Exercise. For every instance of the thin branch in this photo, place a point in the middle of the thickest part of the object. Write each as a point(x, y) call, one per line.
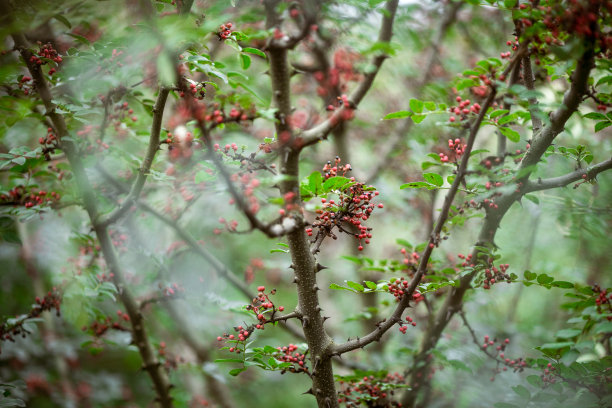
point(396, 316)
point(143, 171)
point(534, 110)
point(320, 132)
point(581, 174)
point(558, 118)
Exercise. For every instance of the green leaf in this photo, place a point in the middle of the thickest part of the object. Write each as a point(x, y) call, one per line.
point(596, 116)
point(535, 380)
point(601, 125)
point(530, 275)
point(337, 287)
point(255, 51)
point(511, 134)
point(315, 183)
point(603, 327)
point(434, 179)
point(563, 284)
point(522, 391)
point(356, 286)
point(567, 333)
point(429, 105)
point(417, 184)
point(498, 112)
point(245, 61)
point(415, 105)
point(556, 346)
point(371, 285)
point(544, 279)
point(398, 115)
point(418, 118)
point(509, 3)
point(62, 20)
point(237, 371)
point(337, 183)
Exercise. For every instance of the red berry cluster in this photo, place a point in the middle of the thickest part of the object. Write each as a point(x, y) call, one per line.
point(249, 272)
point(264, 310)
point(20, 196)
point(8, 331)
point(225, 30)
point(354, 206)
point(463, 109)
point(516, 365)
point(494, 275)
point(170, 361)
point(198, 90)
point(457, 149)
point(397, 287)
point(339, 74)
point(514, 45)
point(370, 390)
point(290, 354)
point(173, 289)
point(411, 259)
point(25, 85)
point(403, 328)
point(121, 112)
point(603, 299)
point(99, 328)
point(46, 51)
point(548, 375)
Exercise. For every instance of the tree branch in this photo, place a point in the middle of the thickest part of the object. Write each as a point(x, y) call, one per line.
point(320, 132)
point(581, 174)
point(143, 171)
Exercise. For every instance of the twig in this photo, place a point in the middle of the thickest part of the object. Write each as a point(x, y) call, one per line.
point(320, 132)
point(143, 171)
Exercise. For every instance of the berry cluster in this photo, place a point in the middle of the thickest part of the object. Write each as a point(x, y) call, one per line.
point(457, 149)
point(264, 310)
point(99, 328)
point(353, 207)
point(516, 365)
point(48, 52)
point(290, 354)
point(548, 374)
point(20, 196)
point(198, 90)
point(411, 259)
point(339, 74)
point(403, 328)
point(8, 330)
point(370, 390)
point(225, 30)
point(249, 272)
point(463, 109)
point(514, 45)
point(603, 299)
point(493, 275)
point(25, 84)
point(397, 287)
point(169, 360)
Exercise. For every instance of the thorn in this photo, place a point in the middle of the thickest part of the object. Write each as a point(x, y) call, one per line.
point(292, 266)
point(308, 391)
point(315, 288)
point(320, 267)
point(325, 318)
point(319, 308)
point(295, 280)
